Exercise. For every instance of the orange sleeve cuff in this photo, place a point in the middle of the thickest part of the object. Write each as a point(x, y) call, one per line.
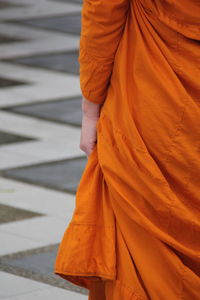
point(102, 26)
point(94, 77)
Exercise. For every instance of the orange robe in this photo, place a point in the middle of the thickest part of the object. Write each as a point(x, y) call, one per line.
point(135, 230)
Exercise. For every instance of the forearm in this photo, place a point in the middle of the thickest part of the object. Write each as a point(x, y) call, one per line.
point(90, 108)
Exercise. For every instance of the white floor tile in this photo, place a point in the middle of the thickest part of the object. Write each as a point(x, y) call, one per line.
point(36, 199)
point(11, 243)
point(10, 159)
point(10, 98)
point(42, 84)
point(35, 41)
point(46, 150)
point(48, 230)
point(25, 154)
point(33, 127)
point(26, 32)
point(16, 286)
point(51, 294)
point(54, 141)
point(39, 47)
point(54, 87)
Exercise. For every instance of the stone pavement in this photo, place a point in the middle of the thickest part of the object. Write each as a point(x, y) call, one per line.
point(40, 159)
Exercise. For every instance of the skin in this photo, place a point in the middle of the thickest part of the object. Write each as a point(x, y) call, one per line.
point(90, 116)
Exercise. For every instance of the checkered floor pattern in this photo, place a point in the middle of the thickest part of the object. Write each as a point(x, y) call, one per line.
point(40, 159)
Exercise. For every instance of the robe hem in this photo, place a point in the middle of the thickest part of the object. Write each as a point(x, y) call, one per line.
point(84, 274)
point(77, 261)
point(76, 278)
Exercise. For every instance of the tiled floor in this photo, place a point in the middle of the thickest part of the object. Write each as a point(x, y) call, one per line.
point(9, 83)
point(11, 214)
point(6, 39)
point(66, 111)
point(19, 288)
point(62, 175)
point(7, 138)
point(66, 62)
point(40, 159)
point(67, 23)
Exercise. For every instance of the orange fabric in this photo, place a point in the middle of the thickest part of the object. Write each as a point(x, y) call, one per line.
point(135, 230)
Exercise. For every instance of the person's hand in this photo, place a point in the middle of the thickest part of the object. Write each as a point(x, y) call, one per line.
point(90, 116)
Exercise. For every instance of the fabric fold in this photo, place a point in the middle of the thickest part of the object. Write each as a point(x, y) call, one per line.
point(87, 251)
point(135, 230)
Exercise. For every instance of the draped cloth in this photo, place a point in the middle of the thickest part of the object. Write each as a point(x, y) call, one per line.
point(135, 230)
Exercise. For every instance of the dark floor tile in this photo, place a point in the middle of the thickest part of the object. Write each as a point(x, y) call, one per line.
point(4, 82)
point(66, 62)
point(11, 214)
point(60, 175)
point(5, 4)
point(7, 138)
point(37, 264)
point(65, 111)
point(68, 23)
point(7, 39)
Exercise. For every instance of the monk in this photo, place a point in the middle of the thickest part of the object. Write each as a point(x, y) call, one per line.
point(135, 230)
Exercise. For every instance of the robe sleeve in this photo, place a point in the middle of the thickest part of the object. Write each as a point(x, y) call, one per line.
point(102, 24)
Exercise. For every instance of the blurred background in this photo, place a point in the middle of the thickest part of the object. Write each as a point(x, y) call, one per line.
point(40, 159)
